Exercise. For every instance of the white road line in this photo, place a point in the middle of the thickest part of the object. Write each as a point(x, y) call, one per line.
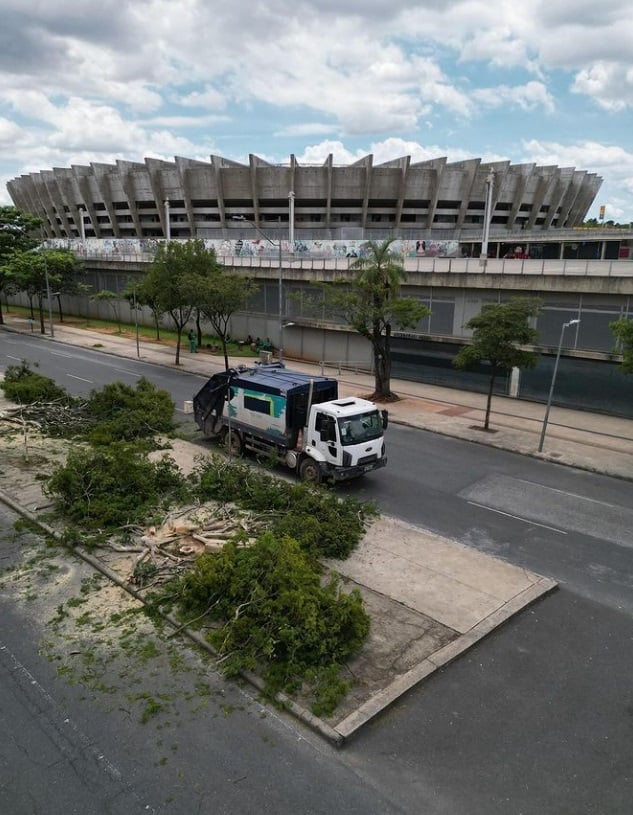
point(61, 354)
point(81, 379)
point(518, 518)
point(123, 371)
point(19, 359)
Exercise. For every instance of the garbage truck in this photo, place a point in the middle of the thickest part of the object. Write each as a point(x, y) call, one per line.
point(295, 417)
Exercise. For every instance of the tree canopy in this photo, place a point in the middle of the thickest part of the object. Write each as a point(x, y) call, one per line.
point(38, 273)
point(177, 279)
point(371, 303)
point(16, 235)
point(222, 295)
point(623, 333)
point(499, 331)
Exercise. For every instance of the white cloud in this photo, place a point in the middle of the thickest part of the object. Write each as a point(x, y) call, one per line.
point(155, 77)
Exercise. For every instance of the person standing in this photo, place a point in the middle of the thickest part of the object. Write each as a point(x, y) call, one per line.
point(192, 342)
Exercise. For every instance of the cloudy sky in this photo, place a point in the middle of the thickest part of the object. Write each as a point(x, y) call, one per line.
point(546, 81)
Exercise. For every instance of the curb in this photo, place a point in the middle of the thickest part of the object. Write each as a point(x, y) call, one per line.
point(374, 706)
point(441, 658)
point(301, 713)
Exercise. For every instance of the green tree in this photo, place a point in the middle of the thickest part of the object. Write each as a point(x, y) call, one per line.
point(137, 296)
point(499, 331)
point(221, 296)
point(371, 303)
point(16, 235)
point(39, 272)
point(623, 332)
point(112, 299)
point(176, 280)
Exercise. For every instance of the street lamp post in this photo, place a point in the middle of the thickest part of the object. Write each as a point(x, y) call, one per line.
point(553, 382)
point(138, 350)
point(167, 221)
point(483, 258)
point(82, 224)
point(291, 220)
point(280, 282)
point(48, 296)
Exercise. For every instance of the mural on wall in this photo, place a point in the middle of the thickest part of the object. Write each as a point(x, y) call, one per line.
point(258, 247)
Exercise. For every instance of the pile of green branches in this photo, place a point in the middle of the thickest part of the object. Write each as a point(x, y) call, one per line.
point(323, 525)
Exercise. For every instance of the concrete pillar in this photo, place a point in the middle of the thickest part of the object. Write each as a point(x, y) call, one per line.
point(515, 377)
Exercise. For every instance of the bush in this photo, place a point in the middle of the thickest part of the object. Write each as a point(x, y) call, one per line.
point(109, 487)
point(275, 612)
point(122, 413)
point(23, 385)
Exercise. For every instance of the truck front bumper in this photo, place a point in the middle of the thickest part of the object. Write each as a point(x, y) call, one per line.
point(346, 473)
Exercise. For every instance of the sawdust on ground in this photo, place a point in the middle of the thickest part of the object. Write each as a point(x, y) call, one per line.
point(399, 637)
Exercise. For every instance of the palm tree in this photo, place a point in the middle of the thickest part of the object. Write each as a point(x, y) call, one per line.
point(372, 305)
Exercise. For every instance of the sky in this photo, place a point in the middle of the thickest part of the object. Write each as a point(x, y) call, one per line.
point(544, 81)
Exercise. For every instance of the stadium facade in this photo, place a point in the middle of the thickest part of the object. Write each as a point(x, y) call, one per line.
point(186, 198)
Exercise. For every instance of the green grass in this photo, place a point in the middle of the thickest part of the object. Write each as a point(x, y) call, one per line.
point(146, 333)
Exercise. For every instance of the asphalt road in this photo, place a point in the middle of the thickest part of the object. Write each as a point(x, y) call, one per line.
point(537, 718)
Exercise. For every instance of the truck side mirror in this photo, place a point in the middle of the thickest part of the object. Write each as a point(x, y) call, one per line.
point(385, 419)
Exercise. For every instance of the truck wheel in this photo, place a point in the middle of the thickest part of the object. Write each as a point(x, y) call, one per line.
point(234, 444)
point(310, 471)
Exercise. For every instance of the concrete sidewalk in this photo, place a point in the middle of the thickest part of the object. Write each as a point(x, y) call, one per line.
point(431, 598)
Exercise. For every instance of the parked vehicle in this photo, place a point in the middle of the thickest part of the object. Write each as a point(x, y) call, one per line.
point(296, 417)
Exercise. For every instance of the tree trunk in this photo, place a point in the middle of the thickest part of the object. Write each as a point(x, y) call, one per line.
point(1, 314)
point(178, 346)
point(382, 366)
point(491, 386)
point(41, 311)
point(199, 330)
point(59, 308)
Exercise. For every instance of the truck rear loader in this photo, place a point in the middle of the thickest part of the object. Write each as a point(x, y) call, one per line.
point(295, 417)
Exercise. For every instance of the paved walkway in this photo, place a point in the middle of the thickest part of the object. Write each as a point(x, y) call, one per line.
point(441, 584)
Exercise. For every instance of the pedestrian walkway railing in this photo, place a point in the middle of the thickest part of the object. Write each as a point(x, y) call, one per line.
point(349, 366)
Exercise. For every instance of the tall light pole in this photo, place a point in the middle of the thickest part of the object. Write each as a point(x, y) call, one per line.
point(46, 283)
point(138, 350)
point(551, 387)
point(82, 224)
point(483, 258)
point(167, 221)
point(280, 282)
point(48, 296)
point(291, 220)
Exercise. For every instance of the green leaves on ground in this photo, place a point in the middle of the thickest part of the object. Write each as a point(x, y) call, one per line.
point(109, 487)
point(275, 613)
point(123, 413)
point(116, 412)
point(22, 384)
point(323, 525)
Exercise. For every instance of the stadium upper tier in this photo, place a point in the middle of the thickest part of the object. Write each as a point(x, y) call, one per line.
point(197, 199)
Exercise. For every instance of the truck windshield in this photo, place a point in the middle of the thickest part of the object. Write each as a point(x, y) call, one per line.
point(360, 428)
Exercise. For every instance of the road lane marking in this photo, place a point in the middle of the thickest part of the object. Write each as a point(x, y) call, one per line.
point(81, 379)
point(518, 518)
point(19, 359)
point(123, 371)
point(61, 354)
